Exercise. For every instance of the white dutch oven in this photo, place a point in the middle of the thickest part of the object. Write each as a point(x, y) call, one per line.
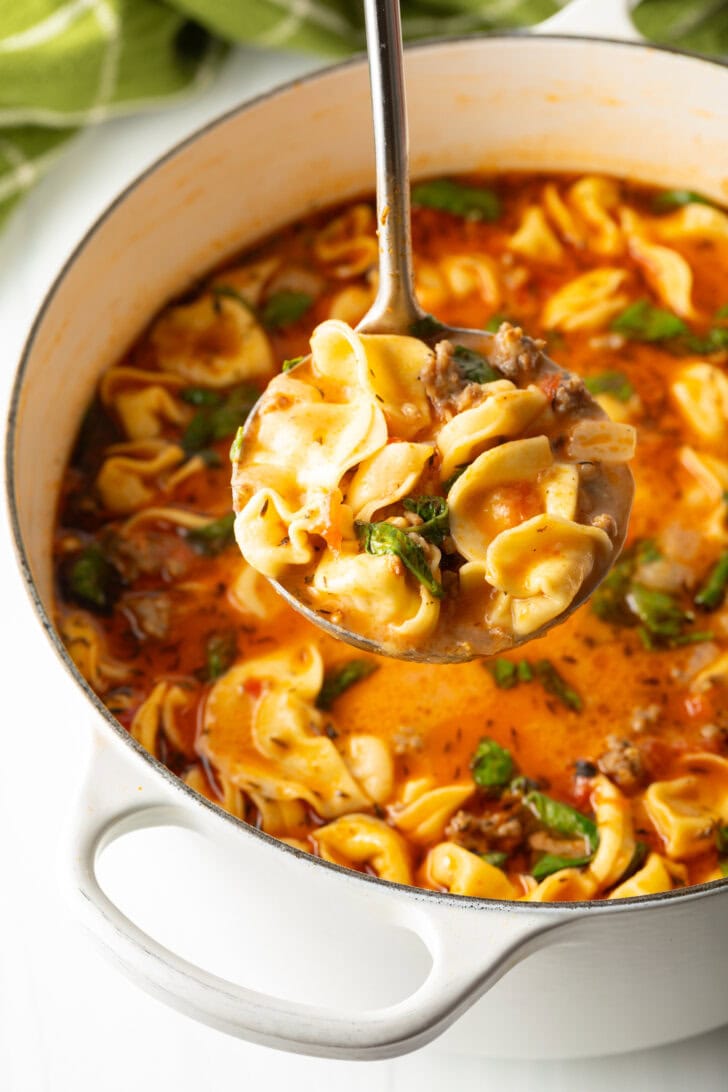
point(526, 980)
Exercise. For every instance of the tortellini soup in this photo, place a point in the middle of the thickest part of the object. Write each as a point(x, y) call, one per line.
point(426, 498)
point(591, 764)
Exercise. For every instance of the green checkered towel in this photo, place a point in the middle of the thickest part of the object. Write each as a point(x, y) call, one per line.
point(65, 64)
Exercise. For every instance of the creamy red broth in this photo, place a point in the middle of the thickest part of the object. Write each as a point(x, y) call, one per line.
point(167, 605)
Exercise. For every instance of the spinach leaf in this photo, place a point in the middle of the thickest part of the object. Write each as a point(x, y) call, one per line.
point(504, 672)
point(446, 195)
point(474, 367)
point(668, 200)
point(561, 818)
point(220, 652)
point(712, 593)
point(491, 765)
point(426, 328)
point(427, 507)
point(525, 671)
point(554, 683)
point(213, 537)
point(284, 308)
point(638, 858)
point(198, 433)
point(495, 858)
point(660, 614)
point(551, 862)
point(209, 457)
point(693, 638)
point(236, 407)
point(338, 679)
point(641, 321)
point(98, 431)
point(434, 513)
point(609, 601)
point(495, 322)
point(227, 291)
point(509, 673)
point(714, 341)
point(646, 551)
point(200, 396)
point(384, 538)
point(521, 785)
point(217, 420)
point(450, 482)
point(90, 579)
point(614, 383)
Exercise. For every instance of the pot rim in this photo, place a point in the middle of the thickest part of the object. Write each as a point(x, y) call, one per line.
point(193, 798)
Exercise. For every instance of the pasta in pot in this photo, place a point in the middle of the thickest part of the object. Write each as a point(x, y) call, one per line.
point(593, 766)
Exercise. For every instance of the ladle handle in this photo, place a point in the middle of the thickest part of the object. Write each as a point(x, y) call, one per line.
point(395, 308)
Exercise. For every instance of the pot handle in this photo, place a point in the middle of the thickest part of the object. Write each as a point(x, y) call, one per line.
point(593, 19)
point(471, 946)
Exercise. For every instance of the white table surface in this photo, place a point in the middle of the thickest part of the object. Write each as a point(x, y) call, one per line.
point(68, 1019)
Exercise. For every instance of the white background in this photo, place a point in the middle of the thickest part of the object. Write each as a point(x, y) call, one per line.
point(68, 1020)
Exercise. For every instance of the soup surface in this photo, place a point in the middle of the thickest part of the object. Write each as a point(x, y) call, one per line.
point(592, 763)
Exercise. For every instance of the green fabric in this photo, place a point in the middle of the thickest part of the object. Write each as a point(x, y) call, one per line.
point(65, 64)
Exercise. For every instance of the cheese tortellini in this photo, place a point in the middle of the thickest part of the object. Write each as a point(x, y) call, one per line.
point(344, 496)
point(264, 735)
point(215, 341)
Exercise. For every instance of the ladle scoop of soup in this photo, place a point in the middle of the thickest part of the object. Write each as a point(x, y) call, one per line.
point(434, 500)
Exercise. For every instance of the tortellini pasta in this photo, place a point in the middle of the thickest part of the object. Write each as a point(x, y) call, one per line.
point(348, 245)
point(214, 341)
point(133, 472)
point(655, 876)
point(450, 867)
point(530, 591)
point(588, 302)
point(687, 810)
point(87, 648)
point(387, 476)
point(585, 217)
point(327, 487)
point(144, 401)
point(535, 239)
point(424, 815)
point(596, 199)
point(530, 594)
point(263, 733)
point(701, 393)
point(458, 277)
point(252, 595)
point(508, 412)
point(158, 713)
point(363, 839)
point(708, 489)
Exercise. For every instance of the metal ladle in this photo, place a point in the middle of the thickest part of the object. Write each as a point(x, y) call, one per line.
point(395, 310)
